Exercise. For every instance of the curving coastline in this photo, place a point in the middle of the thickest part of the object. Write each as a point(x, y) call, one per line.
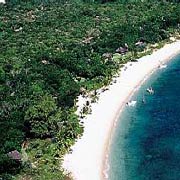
point(88, 158)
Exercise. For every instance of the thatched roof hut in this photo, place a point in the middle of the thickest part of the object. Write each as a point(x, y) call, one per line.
point(15, 155)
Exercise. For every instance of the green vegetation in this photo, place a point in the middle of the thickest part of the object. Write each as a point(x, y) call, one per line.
point(48, 52)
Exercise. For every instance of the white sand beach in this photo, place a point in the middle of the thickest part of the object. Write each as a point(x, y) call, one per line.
point(86, 162)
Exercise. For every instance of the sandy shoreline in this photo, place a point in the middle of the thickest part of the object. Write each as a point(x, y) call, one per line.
point(87, 160)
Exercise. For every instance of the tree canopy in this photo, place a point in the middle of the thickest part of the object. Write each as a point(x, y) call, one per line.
point(48, 53)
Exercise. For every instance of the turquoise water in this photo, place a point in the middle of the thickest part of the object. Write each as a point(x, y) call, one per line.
point(146, 142)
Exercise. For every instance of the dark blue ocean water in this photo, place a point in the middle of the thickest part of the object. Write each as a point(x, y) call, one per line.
point(146, 142)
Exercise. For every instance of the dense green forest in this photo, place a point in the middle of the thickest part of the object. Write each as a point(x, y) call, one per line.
point(49, 52)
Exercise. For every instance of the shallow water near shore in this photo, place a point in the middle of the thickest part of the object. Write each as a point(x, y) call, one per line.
point(146, 141)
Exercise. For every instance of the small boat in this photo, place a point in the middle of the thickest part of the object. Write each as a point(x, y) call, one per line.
point(150, 90)
point(162, 66)
point(2, 1)
point(131, 103)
